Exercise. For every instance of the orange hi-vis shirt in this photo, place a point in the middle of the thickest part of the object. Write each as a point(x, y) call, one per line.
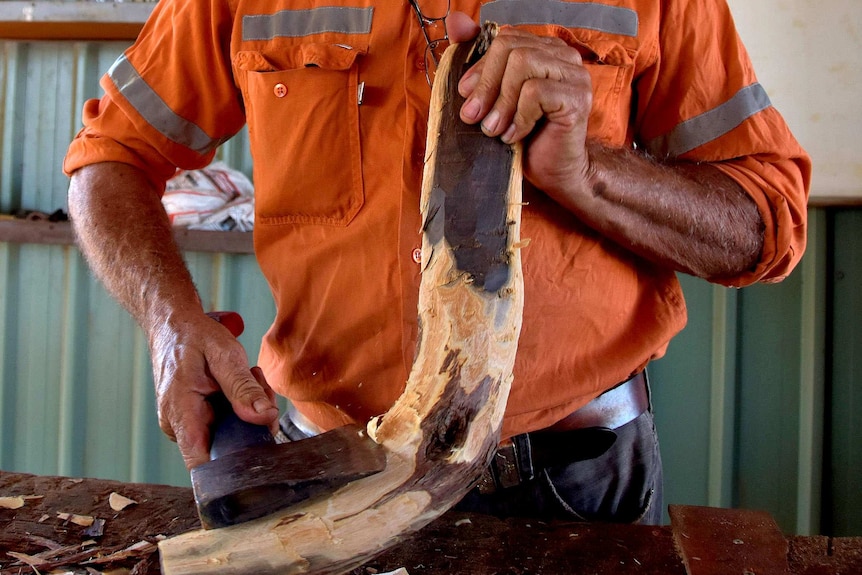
point(336, 100)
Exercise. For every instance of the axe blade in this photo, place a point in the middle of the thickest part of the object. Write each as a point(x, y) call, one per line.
point(254, 482)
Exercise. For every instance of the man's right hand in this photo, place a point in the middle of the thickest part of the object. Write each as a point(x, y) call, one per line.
point(124, 232)
point(194, 357)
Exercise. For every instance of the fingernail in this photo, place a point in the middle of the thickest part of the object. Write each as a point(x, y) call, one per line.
point(468, 84)
point(261, 405)
point(489, 124)
point(508, 134)
point(471, 109)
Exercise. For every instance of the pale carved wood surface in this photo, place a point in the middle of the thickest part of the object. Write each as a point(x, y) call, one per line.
point(441, 432)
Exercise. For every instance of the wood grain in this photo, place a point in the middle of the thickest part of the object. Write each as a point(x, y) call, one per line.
point(440, 434)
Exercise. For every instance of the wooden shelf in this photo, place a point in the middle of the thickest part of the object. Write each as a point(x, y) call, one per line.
point(51, 20)
point(60, 233)
point(834, 202)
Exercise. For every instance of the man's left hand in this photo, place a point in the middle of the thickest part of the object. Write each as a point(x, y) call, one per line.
point(531, 88)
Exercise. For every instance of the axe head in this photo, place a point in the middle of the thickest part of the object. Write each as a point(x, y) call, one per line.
point(250, 483)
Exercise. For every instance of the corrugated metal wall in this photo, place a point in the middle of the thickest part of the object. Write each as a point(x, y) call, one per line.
point(76, 390)
point(843, 454)
point(740, 395)
point(755, 400)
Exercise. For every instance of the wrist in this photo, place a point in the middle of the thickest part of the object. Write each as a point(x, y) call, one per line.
point(171, 315)
point(583, 183)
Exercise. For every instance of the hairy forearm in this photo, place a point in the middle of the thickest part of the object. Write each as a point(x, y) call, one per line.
point(691, 217)
point(126, 237)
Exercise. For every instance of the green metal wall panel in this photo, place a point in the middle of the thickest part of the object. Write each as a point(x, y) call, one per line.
point(77, 389)
point(781, 390)
point(769, 401)
point(694, 398)
point(42, 92)
point(844, 465)
point(76, 395)
point(746, 402)
point(739, 396)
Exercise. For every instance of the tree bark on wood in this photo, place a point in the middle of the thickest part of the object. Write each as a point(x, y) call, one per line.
point(441, 432)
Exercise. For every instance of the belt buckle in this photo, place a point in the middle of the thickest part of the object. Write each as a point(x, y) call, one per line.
point(505, 464)
point(511, 465)
point(502, 471)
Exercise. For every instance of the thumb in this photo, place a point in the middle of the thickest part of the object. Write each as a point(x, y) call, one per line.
point(252, 398)
point(460, 27)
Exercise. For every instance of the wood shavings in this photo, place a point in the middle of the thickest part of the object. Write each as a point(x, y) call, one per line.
point(82, 520)
point(139, 549)
point(120, 571)
point(31, 560)
point(45, 542)
point(55, 550)
point(86, 555)
point(119, 502)
point(16, 502)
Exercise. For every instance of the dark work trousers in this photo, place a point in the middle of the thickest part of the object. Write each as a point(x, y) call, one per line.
point(623, 485)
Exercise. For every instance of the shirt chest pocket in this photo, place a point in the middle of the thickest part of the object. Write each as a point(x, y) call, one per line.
point(611, 69)
point(606, 38)
point(303, 119)
point(610, 113)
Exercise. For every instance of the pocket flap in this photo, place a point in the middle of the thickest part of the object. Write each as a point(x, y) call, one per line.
point(594, 47)
point(327, 56)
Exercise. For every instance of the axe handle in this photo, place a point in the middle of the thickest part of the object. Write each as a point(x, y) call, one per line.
point(230, 433)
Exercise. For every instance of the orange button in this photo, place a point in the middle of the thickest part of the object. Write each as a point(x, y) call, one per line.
point(417, 255)
point(280, 90)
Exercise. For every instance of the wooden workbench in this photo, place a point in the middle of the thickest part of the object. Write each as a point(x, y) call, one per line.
point(457, 543)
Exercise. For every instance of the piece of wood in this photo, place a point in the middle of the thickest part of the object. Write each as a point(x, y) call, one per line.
point(60, 233)
point(454, 543)
point(440, 434)
point(821, 555)
point(81, 20)
point(89, 31)
point(715, 541)
point(461, 544)
point(824, 201)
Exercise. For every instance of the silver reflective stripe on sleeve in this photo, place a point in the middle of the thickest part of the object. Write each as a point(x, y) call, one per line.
point(710, 125)
point(297, 23)
point(156, 112)
point(589, 15)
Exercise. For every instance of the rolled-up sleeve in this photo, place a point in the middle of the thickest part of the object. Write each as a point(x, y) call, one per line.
point(701, 102)
point(170, 100)
point(776, 185)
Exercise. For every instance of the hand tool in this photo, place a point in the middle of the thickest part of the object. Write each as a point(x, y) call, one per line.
point(250, 475)
point(440, 434)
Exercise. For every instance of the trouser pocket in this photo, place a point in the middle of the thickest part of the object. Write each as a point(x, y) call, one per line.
point(623, 485)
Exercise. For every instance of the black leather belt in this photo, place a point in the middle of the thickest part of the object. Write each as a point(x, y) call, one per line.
point(584, 434)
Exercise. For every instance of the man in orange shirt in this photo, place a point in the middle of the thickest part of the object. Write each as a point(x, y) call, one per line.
point(650, 150)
